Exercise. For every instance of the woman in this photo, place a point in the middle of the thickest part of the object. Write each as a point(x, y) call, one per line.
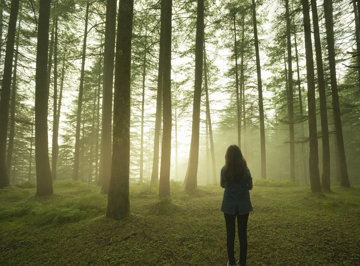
point(237, 181)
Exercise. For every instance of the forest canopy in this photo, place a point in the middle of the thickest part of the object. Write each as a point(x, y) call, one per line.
point(159, 92)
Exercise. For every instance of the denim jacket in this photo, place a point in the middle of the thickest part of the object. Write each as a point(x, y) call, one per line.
point(236, 198)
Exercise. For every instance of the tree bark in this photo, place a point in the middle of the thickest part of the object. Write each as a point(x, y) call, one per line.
point(81, 89)
point(356, 5)
point(313, 156)
point(43, 173)
point(191, 175)
point(13, 102)
point(143, 110)
point(261, 105)
point(118, 197)
point(328, 12)
point(290, 95)
point(5, 92)
point(157, 133)
point(105, 157)
point(55, 144)
point(238, 104)
point(323, 107)
point(164, 185)
point(208, 118)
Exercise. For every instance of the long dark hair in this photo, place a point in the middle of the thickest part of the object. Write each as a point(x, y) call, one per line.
point(235, 164)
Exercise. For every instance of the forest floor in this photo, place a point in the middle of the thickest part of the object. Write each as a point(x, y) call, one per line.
point(289, 226)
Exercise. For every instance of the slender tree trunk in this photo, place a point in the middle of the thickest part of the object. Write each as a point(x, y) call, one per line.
point(142, 113)
point(81, 88)
point(323, 107)
point(191, 175)
point(118, 197)
point(158, 119)
point(290, 94)
point(43, 173)
point(328, 9)
point(356, 5)
point(31, 150)
point(5, 92)
point(2, 5)
point(108, 76)
point(208, 119)
point(98, 120)
point(238, 104)
point(166, 12)
point(261, 105)
point(13, 102)
point(313, 157)
point(55, 144)
point(242, 81)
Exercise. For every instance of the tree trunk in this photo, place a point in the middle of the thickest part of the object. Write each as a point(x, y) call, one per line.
point(313, 156)
point(142, 112)
point(98, 119)
point(13, 102)
point(105, 157)
point(118, 197)
point(158, 119)
point(238, 104)
point(164, 185)
point(31, 150)
point(290, 94)
point(357, 32)
point(43, 173)
point(323, 107)
point(261, 105)
point(191, 175)
point(328, 9)
point(208, 119)
point(81, 88)
point(55, 144)
point(2, 5)
point(242, 82)
point(5, 92)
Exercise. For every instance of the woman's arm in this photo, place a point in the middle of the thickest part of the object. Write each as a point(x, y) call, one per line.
point(222, 179)
point(249, 182)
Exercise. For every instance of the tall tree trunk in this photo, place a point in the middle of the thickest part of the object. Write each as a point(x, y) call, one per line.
point(118, 197)
point(105, 157)
point(55, 136)
point(323, 107)
point(13, 101)
point(356, 5)
point(238, 104)
point(31, 150)
point(5, 92)
point(208, 119)
point(290, 94)
point(98, 119)
point(164, 185)
point(2, 5)
point(261, 105)
point(242, 81)
point(313, 156)
point(191, 175)
point(43, 173)
point(328, 12)
point(142, 112)
point(81, 88)
point(158, 119)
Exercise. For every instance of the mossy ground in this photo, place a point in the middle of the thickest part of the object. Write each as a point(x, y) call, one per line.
point(289, 226)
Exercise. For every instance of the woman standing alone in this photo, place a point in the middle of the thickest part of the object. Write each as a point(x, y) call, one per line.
point(236, 204)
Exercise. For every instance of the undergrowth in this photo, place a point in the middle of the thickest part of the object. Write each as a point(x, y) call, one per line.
point(289, 226)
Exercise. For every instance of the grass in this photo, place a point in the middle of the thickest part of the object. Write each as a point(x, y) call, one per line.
point(289, 226)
